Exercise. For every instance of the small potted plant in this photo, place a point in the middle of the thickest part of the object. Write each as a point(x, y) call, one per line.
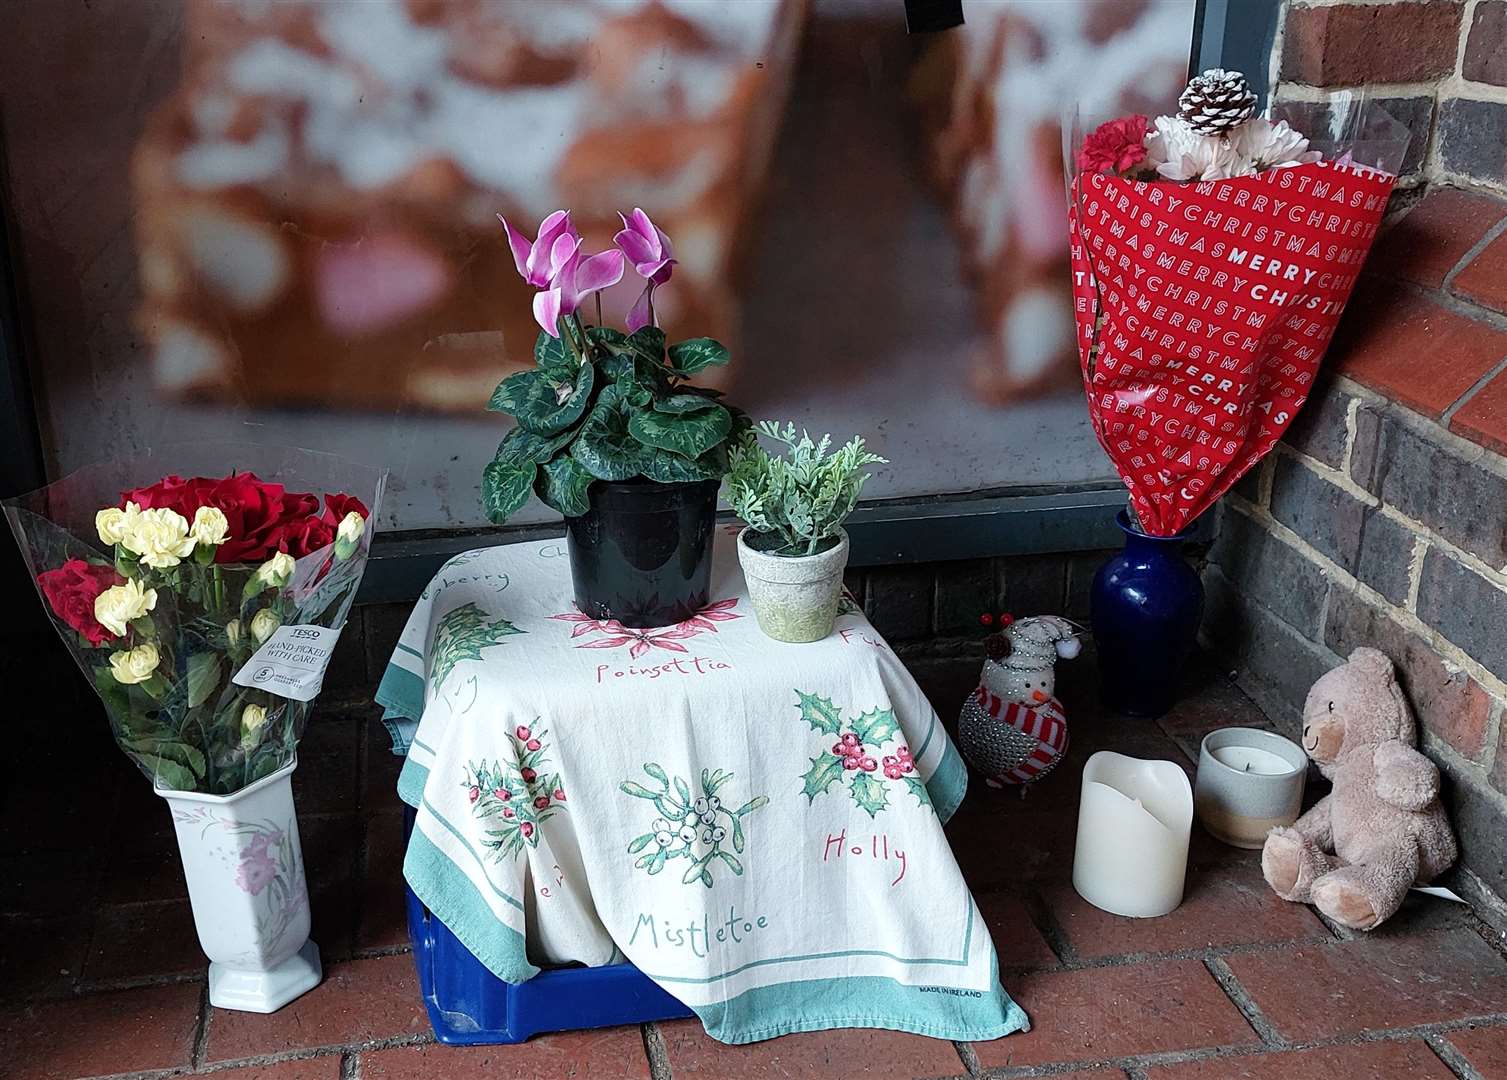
point(794, 549)
point(610, 433)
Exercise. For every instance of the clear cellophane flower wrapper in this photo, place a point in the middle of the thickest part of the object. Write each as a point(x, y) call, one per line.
point(189, 727)
point(1203, 308)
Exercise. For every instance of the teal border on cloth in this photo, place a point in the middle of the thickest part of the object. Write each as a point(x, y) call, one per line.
point(865, 1001)
point(948, 784)
point(411, 783)
point(453, 898)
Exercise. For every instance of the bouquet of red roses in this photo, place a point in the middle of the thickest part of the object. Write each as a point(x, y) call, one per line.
point(202, 609)
point(1212, 253)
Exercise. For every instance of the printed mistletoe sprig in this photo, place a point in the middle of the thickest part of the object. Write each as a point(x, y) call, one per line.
point(852, 755)
point(515, 796)
point(689, 828)
point(462, 634)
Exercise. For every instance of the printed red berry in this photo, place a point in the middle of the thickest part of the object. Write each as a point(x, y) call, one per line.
point(868, 764)
point(523, 732)
point(850, 763)
point(507, 811)
point(542, 802)
point(475, 793)
point(890, 760)
point(850, 739)
point(532, 744)
point(559, 795)
point(893, 772)
point(529, 775)
point(502, 793)
point(527, 828)
point(907, 766)
point(839, 748)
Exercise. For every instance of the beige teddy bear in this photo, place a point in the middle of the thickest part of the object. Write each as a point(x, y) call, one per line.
point(1381, 830)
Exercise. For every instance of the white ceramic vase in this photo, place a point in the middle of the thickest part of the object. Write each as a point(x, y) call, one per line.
point(250, 898)
point(795, 597)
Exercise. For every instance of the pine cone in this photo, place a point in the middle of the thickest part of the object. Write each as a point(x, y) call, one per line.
point(1217, 102)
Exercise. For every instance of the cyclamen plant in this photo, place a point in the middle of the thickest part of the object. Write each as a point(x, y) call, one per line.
point(601, 404)
point(798, 501)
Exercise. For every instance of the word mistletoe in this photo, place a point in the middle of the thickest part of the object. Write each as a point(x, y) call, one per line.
point(463, 633)
point(689, 828)
point(852, 756)
point(515, 797)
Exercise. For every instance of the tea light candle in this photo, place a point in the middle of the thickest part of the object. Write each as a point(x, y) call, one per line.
point(1249, 782)
point(1134, 819)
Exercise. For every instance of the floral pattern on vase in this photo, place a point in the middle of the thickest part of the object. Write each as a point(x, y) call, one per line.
point(267, 866)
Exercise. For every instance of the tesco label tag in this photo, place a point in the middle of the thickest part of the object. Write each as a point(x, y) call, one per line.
point(291, 662)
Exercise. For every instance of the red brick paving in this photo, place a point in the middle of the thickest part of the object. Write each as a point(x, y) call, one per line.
point(872, 1054)
point(1484, 1047)
point(1484, 279)
point(359, 1001)
point(611, 1054)
point(1115, 1012)
point(1228, 905)
point(1366, 985)
point(1430, 965)
point(124, 1031)
point(1367, 1061)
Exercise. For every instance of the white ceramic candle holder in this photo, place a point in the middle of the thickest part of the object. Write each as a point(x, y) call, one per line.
point(1134, 819)
point(1249, 782)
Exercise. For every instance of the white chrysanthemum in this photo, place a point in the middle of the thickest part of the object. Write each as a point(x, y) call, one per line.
point(1272, 145)
point(1177, 152)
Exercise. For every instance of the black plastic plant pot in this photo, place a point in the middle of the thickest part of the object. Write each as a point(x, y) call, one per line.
point(643, 553)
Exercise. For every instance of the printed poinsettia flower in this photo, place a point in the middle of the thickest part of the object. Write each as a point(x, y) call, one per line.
point(641, 641)
point(708, 617)
point(585, 624)
point(652, 255)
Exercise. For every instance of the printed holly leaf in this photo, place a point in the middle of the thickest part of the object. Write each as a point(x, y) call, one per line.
point(462, 634)
point(868, 793)
point(825, 771)
point(876, 727)
point(820, 713)
point(918, 789)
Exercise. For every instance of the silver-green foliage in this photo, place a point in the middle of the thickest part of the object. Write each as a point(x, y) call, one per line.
point(800, 498)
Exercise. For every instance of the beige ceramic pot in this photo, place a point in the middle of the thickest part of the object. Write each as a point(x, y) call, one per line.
point(795, 597)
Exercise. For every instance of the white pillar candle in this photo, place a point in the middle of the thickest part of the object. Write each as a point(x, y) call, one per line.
point(1249, 782)
point(1134, 819)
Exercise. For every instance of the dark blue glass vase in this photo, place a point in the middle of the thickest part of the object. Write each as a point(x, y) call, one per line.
point(1146, 604)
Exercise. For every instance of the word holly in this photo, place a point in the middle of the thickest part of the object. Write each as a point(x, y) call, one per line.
point(878, 850)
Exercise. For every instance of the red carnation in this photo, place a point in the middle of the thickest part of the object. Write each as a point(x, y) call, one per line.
point(1115, 147)
point(71, 590)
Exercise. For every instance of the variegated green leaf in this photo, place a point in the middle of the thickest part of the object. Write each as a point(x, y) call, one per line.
point(918, 789)
point(825, 771)
point(876, 727)
point(687, 434)
point(820, 713)
point(683, 403)
point(562, 485)
point(689, 357)
point(868, 793)
point(604, 447)
point(505, 488)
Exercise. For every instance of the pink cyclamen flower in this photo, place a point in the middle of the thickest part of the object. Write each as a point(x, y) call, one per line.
point(553, 264)
point(652, 255)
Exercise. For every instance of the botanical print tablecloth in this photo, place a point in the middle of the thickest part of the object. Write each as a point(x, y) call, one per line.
point(756, 825)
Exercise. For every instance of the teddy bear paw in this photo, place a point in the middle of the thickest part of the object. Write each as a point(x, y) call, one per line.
point(1343, 902)
point(1282, 862)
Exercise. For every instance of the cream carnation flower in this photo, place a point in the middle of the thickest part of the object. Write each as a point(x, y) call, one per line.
point(276, 571)
point(119, 604)
point(1272, 145)
point(159, 538)
point(263, 624)
point(134, 666)
point(210, 526)
point(113, 523)
point(351, 527)
point(253, 719)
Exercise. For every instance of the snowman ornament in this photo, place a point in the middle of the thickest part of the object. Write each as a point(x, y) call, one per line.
point(1012, 728)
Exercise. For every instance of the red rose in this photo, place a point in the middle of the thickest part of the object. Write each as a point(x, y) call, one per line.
point(256, 512)
point(71, 589)
point(337, 506)
point(1115, 147)
point(305, 536)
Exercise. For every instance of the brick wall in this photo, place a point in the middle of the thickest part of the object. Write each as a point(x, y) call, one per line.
point(1439, 65)
point(1381, 519)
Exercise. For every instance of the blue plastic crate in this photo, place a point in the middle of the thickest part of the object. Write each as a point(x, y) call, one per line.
point(469, 1005)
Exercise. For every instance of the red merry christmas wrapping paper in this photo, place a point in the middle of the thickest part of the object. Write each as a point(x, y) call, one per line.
point(1203, 310)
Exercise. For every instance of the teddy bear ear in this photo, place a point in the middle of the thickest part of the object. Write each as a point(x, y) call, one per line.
point(1374, 661)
